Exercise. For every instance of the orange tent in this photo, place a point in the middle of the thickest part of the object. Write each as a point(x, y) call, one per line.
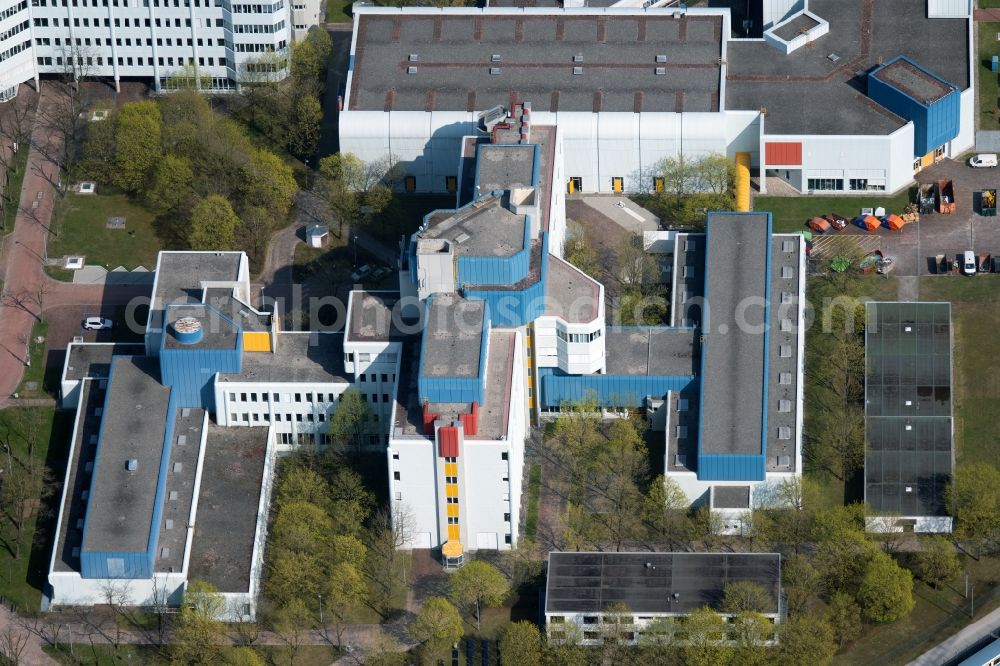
point(895, 222)
point(869, 222)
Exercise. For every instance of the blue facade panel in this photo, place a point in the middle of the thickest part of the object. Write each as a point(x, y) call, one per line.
point(189, 372)
point(934, 124)
point(497, 270)
point(732, 467)
point(116, 565)
point(608, 390)
point(513, 308)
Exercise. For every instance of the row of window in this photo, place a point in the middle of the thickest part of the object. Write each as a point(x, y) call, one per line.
point(122, 3)
point(128, 23)
point(13, 30)
point(578, 337)
point(258, 9)
point(13, 9)
point(253, 397)
point(128, 41)
point(131, 62)
point(857, 184)
point(14, 50)
point(257, 28)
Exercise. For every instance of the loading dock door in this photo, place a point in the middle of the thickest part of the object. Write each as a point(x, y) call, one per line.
point(575, 184)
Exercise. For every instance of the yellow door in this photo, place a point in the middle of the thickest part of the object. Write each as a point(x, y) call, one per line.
point(927, 160)
point(616, 185)
point(658, 184)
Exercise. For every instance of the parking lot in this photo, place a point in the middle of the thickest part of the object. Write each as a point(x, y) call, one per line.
point(914, 247)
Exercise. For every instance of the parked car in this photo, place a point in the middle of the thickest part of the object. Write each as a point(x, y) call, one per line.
point(361, 273)
point(838, 222)
point(969, 263)
point(983, 160)
point(96, 323)
point(380, 272)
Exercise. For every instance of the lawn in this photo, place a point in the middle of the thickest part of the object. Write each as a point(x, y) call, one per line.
point(989, 81)
point(81, 229)
point(791, 213)
point(14, 187)
point(105, 655)
point(339, 11)
point(21, 579)
point(45, 381)
point(534, 489)
point(405, 214)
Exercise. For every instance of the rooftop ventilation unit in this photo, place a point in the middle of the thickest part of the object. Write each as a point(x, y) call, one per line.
point(413, 57)
point(411, 70)
point(494, 71)
point(661, 58)
point(577, 71)
point(462, 237)
point(833, 57)
point(132, 464)
point(578, 57)
point(660, 71)
point(495, 57)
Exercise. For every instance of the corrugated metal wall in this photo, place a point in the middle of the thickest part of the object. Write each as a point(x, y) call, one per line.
point(732, 467)
point(934, 124)
point(511, 309)
point(189, 372)
point(608, 390)
point(497, 270)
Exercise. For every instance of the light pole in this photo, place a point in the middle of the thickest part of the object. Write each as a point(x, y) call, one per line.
point(355, 238)
point(320, 597)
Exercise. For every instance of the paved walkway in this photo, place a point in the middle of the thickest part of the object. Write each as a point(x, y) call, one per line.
point(960, 643)
point(991, 14)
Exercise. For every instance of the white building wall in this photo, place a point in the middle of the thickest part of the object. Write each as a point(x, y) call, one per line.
point(557, 201)
point(305, 14)
point(966, 139)
point(17, 63)
point(776, 11)
point(413, 460)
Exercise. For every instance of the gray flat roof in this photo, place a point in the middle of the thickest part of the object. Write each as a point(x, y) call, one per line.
point(590, 582)
point(504, 167)
point(455, 55)
point(223, 300)
point(571, 294)
point(783, 336)
point(650, 351)
point(482, 229)
point(232, 475)
point(134, 422)
point(452, 337)
point(733, 359)
point(300, 357)
point(730, 497)
point(792, 29)
point(93, 359)
point(913, 81)
point(372, 316)
point(689, 280)
point(908, 408)
point(218, 331)
point(799, 89)
point(181, 273)
point(188, 424)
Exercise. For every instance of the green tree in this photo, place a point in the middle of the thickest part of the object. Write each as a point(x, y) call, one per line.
point(624, 467)
point(886, 591)
point(665, 512)
point(243, 656)
point(937, 562)
point(751, 631)
point(268, 183)
point(745, 596)
point(197, 631)
point(844, 617)
point(356, 190)
point(352, 502)
point(137, 144)
point(478, 584)
point(99, 149)
point(521, 644)
point(436, 627)
point(302, 527)
point(800, 580)
point(973, 497)
point(171, 186)
point(213, 224)
point(805, 639)
point(309, 59)
point(304, 126)
point(293, 621)
point(350, 420)
point(843, 557)
point(253, 234)
point(346, 592)
point(578, 250)
point(707, 643)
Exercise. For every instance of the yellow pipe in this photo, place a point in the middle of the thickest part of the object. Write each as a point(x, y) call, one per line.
point(743, 182)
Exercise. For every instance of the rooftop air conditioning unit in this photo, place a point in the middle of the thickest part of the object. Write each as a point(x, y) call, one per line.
point(661, 58)
point(414, 57)
point(578, 57)
point(494, 71)
point(660, 71)
point(411, 70)
point(577, 71)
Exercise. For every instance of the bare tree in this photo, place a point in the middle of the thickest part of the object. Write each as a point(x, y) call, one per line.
point(246, 628)
point(21, 300)
point(13, 642)
point(390, 531)
point(160, 606)
point(117, 594)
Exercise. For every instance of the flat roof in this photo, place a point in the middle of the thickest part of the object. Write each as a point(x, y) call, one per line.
point(93, 359)
point(455, 56)
point(218, 331)
point(730, 497)
point(180, 275)
point(784, 362)
point(650, 351)
point(647, 582)
point(298, 357)
point(228, 500)
point(120, 509)
point(912, 80)
point(485, 228)
point(734, 355)
point(453, 335)
point(505, 167)
point(797, 25)
point(798, 89)
point(570, 293)
point(224, 300)
point(908, 408)
point(689, 280)
point(183, 466)
point(373, 316)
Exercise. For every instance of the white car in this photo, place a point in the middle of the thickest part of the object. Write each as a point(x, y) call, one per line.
point(96, 323)
point(983, 160)
point(968, 263)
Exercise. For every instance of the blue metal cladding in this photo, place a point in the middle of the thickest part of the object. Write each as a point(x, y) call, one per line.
point(190, 372)
point(455, 389)
point(608, 390)
point(512, 308)
point(934, 124)
point(497, 270)
point(732, 467)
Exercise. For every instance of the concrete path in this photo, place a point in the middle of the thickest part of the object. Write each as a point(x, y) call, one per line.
point(18, 638)
point(954, 647)
point(908, 288)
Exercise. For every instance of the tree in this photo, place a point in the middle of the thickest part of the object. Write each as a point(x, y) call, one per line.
point(745, 596)
point(579, 251)
point(197, 631)
point(436, 627)
point(293, 621)
point(886, 591)
point(388, 532)
point(973, 497)
point(137, 144)
point(805, 639)
point(752, 632)
point(521, 644)
point(478, 583)
point(636, 267)
point(350, 420)
point(23, 484)
point(213, 224)
point(706, 643)
point(171, 186)
point(304, 126)
point(99, 150)
point(268, 183)
point(843, 557)
point(617, 498)
point(253, 234)
point(309, 58)
point(937, 562)
point(302, 527)
point(357, 190)
point(800, 581)
point(243, 656)
point(665, 512)
point(844, 617)
point(346, 591)
point(188, 77)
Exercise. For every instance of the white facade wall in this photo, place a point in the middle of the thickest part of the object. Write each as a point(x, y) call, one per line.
point(16, 56)
point(556, 346)
point(557, 200)
point(966, 139)
point(305, 14)
point(417, 489)
point(586, 628)
point(776, 11)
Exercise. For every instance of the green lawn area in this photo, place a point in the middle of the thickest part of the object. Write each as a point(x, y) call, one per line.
point(21, 579)
point(989, 81)
point(405, 214)
point(791, 213)
point(14, 187)
point(984, 4)
point(534, 489)
point(339, 11)
point(105, 655)
point(45, 380)
point(81, 229)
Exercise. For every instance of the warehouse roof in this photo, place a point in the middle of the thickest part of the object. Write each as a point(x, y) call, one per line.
point(455, 55)
point(908, 457)
point(662, 583)
point(798, 89)
point(733, 360)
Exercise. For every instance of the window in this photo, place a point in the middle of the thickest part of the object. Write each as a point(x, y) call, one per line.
point(690, 245)
point(506, 538)
point(503, 456)
point(682, 404)
point(453, 520)
point(395, 476)
point(410, 184)
point(825, 183)
point(506, 517)
point(590, 619)
point(395, 455)
point(452, 500)
point(449, 479)
point(385, 377)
